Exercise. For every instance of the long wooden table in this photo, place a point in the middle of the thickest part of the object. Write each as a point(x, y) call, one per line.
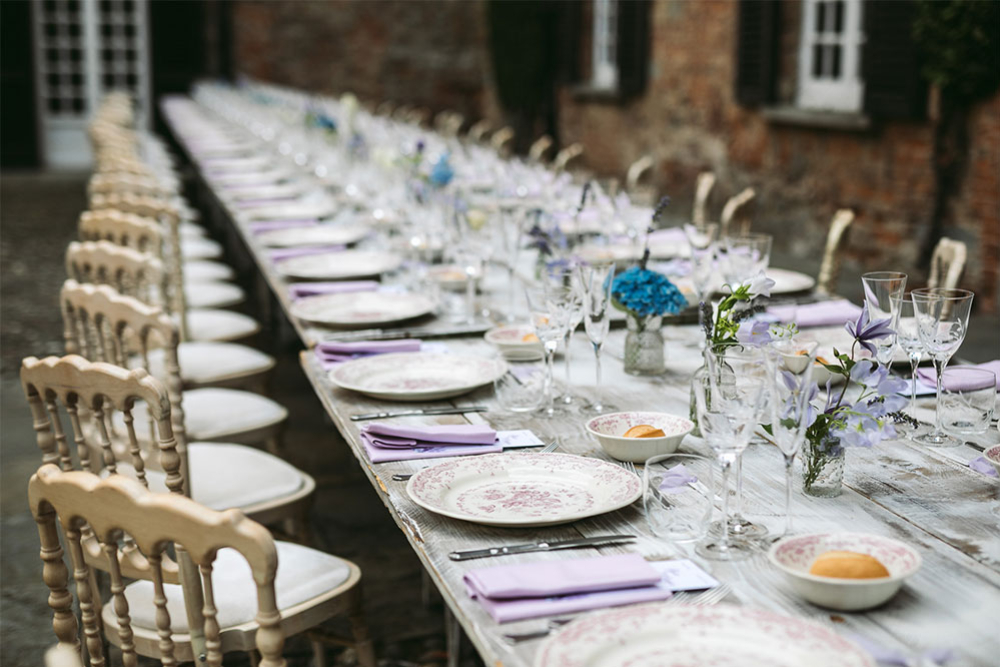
point(928, 498)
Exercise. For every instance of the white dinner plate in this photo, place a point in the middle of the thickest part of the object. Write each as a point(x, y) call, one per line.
point(417, 376)
point(654, 635)
point(363, 309)
point(316, 235)
point(524, 489)
point(339, 265)
point(260, 192)
point(789, 282)
point(296, 210)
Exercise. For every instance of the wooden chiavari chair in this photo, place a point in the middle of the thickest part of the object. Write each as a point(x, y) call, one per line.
point(947, 263)
point(826, 281)
point(703, 188)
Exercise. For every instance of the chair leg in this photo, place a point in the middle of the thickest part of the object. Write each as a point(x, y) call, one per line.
point(319, 654)
point(362, 641)
point(273, 445)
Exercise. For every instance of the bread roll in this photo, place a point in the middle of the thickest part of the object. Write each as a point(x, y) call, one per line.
point(848, 565)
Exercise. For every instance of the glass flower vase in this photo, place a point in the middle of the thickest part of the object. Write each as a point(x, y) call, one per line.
point(644, 345)
point(823, 468)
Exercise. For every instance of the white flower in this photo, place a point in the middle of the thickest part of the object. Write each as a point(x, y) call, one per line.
point(759, 285)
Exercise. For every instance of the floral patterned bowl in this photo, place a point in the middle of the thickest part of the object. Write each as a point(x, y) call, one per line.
point(608, 430)
point(992, 454)
point(795, 555)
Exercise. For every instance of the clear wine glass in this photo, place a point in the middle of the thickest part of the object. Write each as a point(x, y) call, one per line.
point(791, 366)
point(597, 281)
point(908, 339)
point(702, 242)
point(880, 288)
point(743, 257)
point(544, 305)
point(942, 322)
point(728, 398)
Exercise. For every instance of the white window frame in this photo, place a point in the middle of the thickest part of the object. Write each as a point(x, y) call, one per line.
point(604, 45)
point(845, 93)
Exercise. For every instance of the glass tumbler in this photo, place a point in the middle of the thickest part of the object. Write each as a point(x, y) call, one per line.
point(968, 399)
point(678, 494)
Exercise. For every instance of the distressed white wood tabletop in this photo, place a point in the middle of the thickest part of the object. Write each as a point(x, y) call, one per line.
point(928, 498)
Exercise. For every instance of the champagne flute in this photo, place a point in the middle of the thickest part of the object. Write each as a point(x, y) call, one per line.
point(728, 398)
point(702, 241)
point(880, 288)
point(942, 322)
point(908, 337)
point(791, 412)
point(597, 281)
point(543, 307)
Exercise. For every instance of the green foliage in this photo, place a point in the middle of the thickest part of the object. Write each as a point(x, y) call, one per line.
point(959, 42)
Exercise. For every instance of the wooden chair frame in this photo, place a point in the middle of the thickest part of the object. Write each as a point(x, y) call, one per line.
point(947, 263)
point(826, 281)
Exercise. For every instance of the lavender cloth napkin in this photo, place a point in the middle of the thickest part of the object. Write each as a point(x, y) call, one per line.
point(330, 354)
point(822, 314)
point(671, 236)
point(271, 225)
point(288, 253)
point(980, 464)
point(956, 380)
point(388, 442)
point(302, 290)
point(516, 592)
point(676, 479)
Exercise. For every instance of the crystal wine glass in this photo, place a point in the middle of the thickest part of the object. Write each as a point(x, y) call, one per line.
point(908, 338)
point(597, 281)
point(702, 240)
point(791, 368)
point(544, 305)
point(942, 322)
point(744, 256)
point(728, 398)
point(880, 288)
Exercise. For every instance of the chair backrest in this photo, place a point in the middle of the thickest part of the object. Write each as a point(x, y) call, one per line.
point(539, 148)
point(826, 281)
point(636, 171)
point(502, 140)
point(566, 156)
point(733, 207)
point(479, 130)
point(129, 271)
point(111, 183)
point(124, 229)
point(703, 188)
point(61, 655)
point(947, 263)
point(120, 506)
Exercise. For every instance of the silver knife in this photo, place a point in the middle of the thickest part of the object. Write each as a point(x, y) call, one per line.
point(541, 546)
point(418, 411)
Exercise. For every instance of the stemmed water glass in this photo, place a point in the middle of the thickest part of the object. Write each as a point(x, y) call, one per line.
point(744, 256)
point(908, 338)
point(512, 221)
point(544, 306)
point(728, 398)
point(880, 288)
point(942, 322)
point(791, 366)
point(596, 282)
point(702, 239)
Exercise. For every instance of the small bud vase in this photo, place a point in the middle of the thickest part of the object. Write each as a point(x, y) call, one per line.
point(644, 345)
point(823, 468)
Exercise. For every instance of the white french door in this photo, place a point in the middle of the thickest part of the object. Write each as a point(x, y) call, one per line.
point(84, 48)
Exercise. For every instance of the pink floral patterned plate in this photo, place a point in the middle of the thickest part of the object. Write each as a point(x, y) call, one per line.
point(524, 489)
point(992, 454)
point(363, 309)
point(658, 635)
point(339, 265)
point(417, 376)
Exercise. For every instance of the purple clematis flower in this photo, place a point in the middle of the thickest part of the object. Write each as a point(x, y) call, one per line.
point(754, 334)
point(864, 332)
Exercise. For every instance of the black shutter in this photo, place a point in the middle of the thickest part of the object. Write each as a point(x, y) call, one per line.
point(889, 61)
point(756, 51)
point(633, 47)
point(570, 20)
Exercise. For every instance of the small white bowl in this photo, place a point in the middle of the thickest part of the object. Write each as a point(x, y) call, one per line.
point(609, 430)
point(510, 341)
point(448, 277)
point(992, 454)
point(795, 555)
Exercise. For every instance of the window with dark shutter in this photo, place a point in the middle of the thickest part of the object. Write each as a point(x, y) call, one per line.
point(889, 61)
point(756, 51)
point(633, 47)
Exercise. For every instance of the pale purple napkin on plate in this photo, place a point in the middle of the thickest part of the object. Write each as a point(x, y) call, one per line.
point(331, 353)
point(270, 225)
point(516, 592)
point(288, 253)
point(956, 380)
point(302, 290)
point(671, 235)
point(822, 314)
point(389, 442)
point(981, 464)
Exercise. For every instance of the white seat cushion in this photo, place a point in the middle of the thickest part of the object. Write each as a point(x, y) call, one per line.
point(206, 362)
point(212, 295)
point(303, 573)
point(251, 476)
point(214, 413)
point(202, 270)
point(219, 325)
point(190, 230)
point(200, 248)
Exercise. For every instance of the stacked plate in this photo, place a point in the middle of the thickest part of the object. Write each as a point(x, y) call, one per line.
point(318, 235)
point(417, 376)
point(363, 309)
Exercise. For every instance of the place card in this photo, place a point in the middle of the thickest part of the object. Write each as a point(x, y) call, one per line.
point(683, 575)
point(515, 439)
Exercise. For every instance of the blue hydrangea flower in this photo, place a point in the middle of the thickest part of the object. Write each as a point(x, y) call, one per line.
point(647, 293)
point(442, 173)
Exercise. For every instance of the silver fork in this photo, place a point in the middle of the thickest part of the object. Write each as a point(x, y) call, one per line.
point(628, 465)
point(704, 599)
point(404, 476)
point(549, 448)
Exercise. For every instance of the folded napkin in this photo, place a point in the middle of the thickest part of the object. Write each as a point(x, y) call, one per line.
point(956, 379)
point(391, 442)
point(288, 253)
point(332, 353)
point(516, 592)
point(822, 314)
point(669, 236)
point(302, 290)
point(980, 464)
point(270, 225)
